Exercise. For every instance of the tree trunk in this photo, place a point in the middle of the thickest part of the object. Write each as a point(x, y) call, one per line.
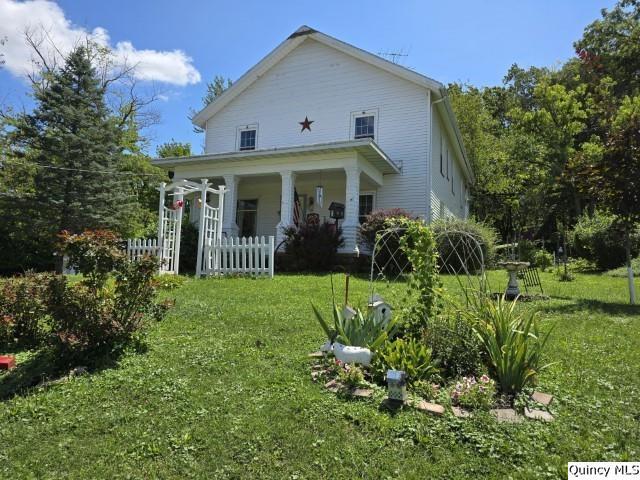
point(632, 288)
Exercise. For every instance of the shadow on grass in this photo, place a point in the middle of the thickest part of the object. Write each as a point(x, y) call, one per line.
point(48, 367)
point(591, 306)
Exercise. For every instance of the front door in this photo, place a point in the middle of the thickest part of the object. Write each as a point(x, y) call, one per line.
point(247, 217)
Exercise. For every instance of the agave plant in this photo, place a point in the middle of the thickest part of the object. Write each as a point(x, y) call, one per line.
point(367, 329)
point(512, 341)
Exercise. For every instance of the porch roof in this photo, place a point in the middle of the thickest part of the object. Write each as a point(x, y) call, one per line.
point(365, 147)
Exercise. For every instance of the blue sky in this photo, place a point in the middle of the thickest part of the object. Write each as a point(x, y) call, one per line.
point(469, 41)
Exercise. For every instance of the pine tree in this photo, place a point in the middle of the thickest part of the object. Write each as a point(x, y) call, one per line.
point(74, 139)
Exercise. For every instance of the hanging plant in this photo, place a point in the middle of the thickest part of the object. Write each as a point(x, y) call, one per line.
point(177, 204)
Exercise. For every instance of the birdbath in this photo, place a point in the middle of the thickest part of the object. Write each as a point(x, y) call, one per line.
point(513, 267)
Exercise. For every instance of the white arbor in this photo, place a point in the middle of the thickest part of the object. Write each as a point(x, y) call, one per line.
point(170, 220)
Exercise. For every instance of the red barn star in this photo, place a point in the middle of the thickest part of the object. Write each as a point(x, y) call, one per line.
point(306, 124)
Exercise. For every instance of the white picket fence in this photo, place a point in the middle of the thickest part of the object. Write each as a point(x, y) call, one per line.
point(241, 256)
point(232, 256)
point(139, 247)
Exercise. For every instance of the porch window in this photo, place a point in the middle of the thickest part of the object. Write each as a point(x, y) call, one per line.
point(248, 139)
point(366, 206)
point(365, 126)
point(247, 217)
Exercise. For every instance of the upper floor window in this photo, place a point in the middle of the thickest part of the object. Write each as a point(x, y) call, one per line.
point(363, 123)
point(365, 127)
point(248, 140)
point(247, 137)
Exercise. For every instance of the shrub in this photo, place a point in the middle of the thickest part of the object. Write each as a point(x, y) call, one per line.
point(94, 254)
point(474, 394)
point(622, 271)
point(423, 283)
point(313, 247)
point(542, 259)
point(360, 330)
point(93, 315)
point(380, 220)
point(512, 342)
point(597, 239)
point(452, 246)
point(455, 346)
point(23, 310)
point(410, 356)
point(374, 225)
point(581, 265)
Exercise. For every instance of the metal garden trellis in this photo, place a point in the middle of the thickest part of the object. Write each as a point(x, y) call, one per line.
point(459, 254)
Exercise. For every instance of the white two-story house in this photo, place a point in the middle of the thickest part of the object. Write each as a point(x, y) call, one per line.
point(321, 121)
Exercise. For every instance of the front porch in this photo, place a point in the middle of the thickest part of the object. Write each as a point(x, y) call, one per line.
point(261, 185)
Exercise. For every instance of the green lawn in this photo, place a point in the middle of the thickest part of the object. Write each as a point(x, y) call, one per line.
point(224, 391)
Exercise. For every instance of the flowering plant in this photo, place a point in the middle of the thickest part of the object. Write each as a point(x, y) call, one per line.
point(474, 394)
point(350, 375)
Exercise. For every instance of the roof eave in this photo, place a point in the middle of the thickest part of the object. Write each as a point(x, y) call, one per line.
point(361, 146)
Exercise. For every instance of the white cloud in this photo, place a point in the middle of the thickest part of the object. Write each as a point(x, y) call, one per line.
point(174, 67)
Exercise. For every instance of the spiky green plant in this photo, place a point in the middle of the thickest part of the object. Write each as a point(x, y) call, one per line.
point(362, 330)
point(512, 341)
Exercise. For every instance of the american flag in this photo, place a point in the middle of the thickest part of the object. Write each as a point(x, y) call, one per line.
point(296, 207)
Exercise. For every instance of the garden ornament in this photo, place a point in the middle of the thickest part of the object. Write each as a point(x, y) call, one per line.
point(350, 354)
point(397, 385)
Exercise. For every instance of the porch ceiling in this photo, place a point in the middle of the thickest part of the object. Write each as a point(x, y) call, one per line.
point(366, 147)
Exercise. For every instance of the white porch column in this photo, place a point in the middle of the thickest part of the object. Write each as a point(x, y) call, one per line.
point(229, 226)
point(351, 223)
point(286, 203)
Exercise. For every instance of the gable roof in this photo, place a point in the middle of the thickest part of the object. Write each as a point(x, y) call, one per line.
point(303, 33)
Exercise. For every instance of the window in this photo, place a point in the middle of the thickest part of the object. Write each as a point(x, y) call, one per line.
point(448, 163)
point(453, 190)
point(364, 127)
point(441, 158)
point(366, 206)
point(247, 217)
point(247, 139)
point(363, 123)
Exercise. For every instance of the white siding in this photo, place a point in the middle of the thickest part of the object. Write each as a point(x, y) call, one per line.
point(443, 200)
point(327, 86)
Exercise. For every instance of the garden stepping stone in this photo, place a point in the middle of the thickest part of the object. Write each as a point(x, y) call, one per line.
point(460, 412)
point(507, 415)
point(315, 375)
point(543, 398)
point(333, 386)
point(535, 414)
point(427, 407)
point(317, 354)
point(361, 392)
